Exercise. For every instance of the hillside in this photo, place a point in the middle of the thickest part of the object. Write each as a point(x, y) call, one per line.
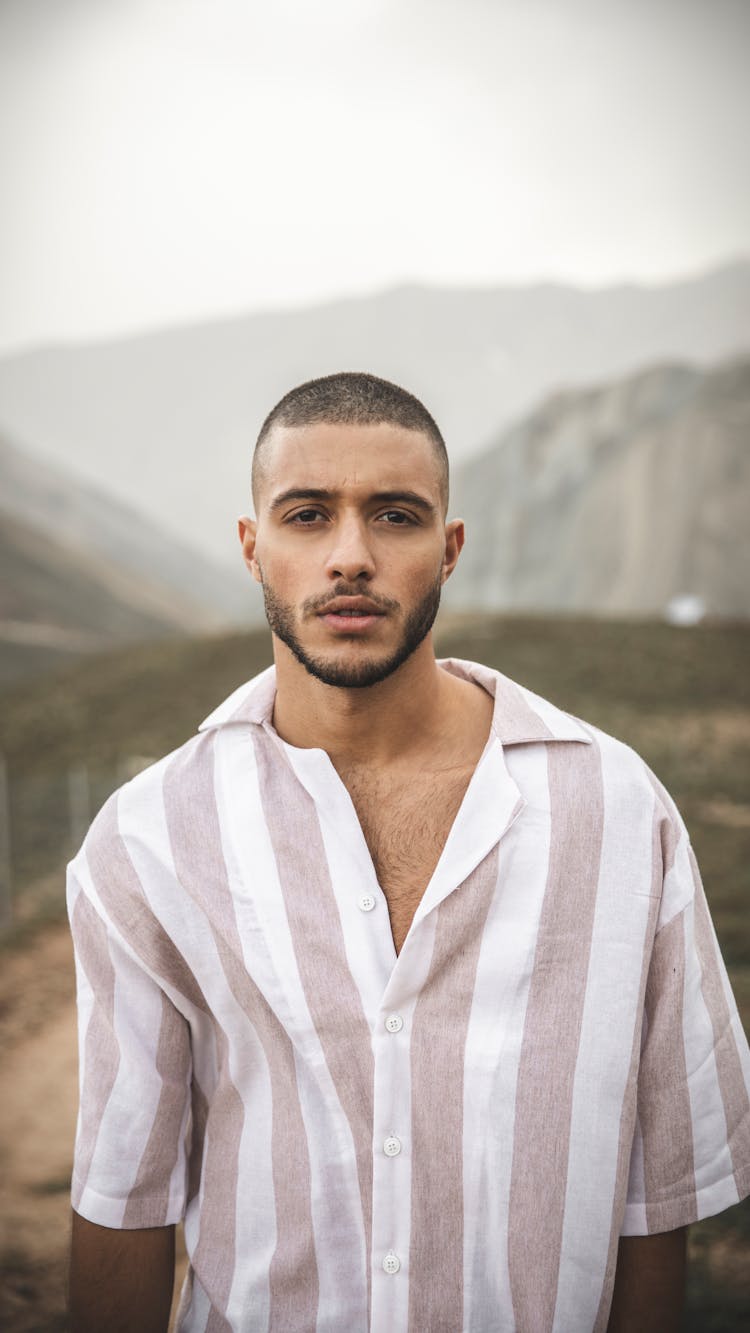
point(615, 499)
point(82, 571)
point(54, 604)
point(166, 421)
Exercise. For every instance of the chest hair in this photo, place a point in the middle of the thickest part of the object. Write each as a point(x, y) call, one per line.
point(405, 825)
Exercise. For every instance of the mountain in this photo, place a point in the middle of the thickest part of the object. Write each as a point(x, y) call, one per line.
point(166, 421)
point(615, 499)
point(82, 572)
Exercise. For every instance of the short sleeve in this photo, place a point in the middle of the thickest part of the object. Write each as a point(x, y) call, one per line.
point(134, 1077)
point(691, 1149)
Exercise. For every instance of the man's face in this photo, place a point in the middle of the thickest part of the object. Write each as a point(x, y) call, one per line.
point(351, 546)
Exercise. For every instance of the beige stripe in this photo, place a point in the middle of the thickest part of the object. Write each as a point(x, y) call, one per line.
point(332, 997)
point(557, 989)
point(663, 1097)
point(441, 1021)
point(728, 1066)
point(515, 720)
point(630, 1095)
point(217, 1323)
point(147, 1207)
point(195, 834)
point(120, 890)
point(101, 1053)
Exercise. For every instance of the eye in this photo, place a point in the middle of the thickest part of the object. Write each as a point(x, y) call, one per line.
point(397, 518)
point(304, 517)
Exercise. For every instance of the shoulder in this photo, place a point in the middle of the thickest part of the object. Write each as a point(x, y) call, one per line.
point(145, 789)
point(523, 718)
point(185, 774)
point(583, 763)
point(166, 799)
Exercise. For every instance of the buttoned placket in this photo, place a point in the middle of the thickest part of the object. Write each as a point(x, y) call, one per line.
point(390, 986)
point(391, 1174)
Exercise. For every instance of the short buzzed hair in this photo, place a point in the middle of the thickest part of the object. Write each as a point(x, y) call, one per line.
point(352, 398)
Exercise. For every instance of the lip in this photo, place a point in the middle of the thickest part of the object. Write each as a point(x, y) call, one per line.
point(344, 604)
point(350, 615)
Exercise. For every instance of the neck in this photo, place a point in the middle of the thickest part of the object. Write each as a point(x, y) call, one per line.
point(378, 724)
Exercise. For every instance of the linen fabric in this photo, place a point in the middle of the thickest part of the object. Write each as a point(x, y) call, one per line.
point(451, 1139)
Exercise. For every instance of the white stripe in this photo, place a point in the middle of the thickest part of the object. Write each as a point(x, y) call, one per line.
point(715, 1197)
point(255, 1210)
point(195, 1319)
point(126, 1122)
point(84, 993)
point(391, 1222)
point(336, 1210)
point(678, 884)
point(493, 1045)
point(259, 906)
point(610, 1010)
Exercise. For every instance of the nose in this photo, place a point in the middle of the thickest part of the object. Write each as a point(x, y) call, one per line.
point(349, 555)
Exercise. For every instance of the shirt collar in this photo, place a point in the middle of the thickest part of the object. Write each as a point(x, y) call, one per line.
point(520, 716)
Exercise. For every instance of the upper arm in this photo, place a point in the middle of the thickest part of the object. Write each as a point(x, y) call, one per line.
point(649, 1283)
point(120, 1280)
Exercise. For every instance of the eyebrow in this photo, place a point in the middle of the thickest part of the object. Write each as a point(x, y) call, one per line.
point(379, 497)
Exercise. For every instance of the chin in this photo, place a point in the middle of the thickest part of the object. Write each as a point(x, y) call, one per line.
point(353, 671)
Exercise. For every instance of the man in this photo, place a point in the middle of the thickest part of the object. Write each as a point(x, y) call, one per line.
point(396, 982)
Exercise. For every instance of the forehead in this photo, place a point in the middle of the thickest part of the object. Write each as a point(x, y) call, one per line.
point(346, 456)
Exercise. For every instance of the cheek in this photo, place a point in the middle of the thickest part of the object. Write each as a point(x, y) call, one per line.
point(278, 571)
point(426, 571)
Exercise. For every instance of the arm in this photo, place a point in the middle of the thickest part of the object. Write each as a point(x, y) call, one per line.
point(649, 1283)
point(120, 1280)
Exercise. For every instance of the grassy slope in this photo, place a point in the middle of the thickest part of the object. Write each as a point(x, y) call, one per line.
point(47, 582)
point(680, 697)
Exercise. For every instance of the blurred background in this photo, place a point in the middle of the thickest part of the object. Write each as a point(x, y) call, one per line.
point(534, 214)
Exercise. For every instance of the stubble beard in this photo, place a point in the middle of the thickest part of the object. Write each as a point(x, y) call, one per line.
point(368, 671)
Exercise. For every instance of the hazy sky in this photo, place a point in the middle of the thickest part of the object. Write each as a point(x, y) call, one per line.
point(167, 160)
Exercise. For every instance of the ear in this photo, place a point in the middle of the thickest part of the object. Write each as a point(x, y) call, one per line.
point(454, 540)
point(248, 532)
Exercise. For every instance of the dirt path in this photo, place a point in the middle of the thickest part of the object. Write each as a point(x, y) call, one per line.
point(39, 1059)
point(37, 1124)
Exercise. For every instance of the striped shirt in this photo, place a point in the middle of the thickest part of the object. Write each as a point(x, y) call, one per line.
point(451, 1139)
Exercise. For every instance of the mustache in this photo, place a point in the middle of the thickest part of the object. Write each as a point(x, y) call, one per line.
point(312, 605)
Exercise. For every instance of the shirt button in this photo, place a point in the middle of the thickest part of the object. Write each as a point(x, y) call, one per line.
point(394, 1023)
point(391, 1263)
point(366, 902)
point(392, 1146)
